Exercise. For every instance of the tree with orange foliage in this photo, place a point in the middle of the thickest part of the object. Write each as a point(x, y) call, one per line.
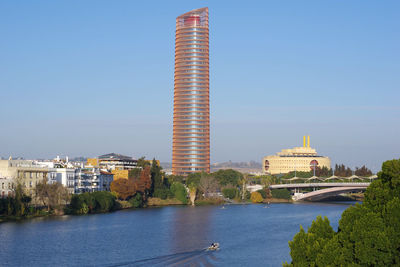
point(144, 182)
point(126, 188)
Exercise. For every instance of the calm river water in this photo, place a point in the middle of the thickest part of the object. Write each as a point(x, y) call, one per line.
point(249, 235)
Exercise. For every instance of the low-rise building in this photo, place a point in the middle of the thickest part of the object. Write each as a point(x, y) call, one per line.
point(64, 176)
point(6, 187)
point(119, 165)
point(302, 159)
point(106, 179)
point(25, 172)
point(115, 161)
point(29, 173)
point(92, 180)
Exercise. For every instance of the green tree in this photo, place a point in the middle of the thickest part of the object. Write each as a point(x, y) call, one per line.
point(142, 163)
point(158, 188)
point(263, 193)
point(281, 193)
point(305, 247)
point(179, 192)
point(194, 178)
point(368, 233)
point(226, 177)
point(229, 192)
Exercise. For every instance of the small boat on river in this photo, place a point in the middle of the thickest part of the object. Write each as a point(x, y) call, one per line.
point(213, 246)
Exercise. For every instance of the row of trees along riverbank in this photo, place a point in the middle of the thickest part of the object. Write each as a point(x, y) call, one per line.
point(146, 185)
point(340, 170)
point(368, 233)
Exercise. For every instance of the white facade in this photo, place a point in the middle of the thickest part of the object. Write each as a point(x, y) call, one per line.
point(92, 180)
point(64, 176)
point(254, 188)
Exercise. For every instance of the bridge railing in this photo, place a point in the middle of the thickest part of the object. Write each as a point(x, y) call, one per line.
point(331, 179)
point(317, 185)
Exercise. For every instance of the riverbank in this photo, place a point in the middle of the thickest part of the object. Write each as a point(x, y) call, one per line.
point(125, 205)
point(277, 200)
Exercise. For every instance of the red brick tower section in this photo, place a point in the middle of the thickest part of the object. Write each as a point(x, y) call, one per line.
point(191, 130)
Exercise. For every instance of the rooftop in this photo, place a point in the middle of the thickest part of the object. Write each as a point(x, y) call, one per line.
point(114, 156)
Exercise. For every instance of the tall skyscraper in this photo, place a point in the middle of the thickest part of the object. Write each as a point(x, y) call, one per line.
point(191, 130)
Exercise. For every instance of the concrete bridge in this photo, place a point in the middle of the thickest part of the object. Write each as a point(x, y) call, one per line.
point(329, 189)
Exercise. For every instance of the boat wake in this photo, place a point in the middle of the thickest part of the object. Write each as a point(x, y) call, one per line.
point(201, 257)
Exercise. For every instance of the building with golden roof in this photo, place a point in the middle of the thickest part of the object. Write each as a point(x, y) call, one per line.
point(302, 159)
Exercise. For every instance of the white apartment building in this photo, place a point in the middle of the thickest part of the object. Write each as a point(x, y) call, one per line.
point(64, 176)
point(92, 179)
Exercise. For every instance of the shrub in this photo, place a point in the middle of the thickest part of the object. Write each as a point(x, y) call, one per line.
point(77, 203)
point(136, 201)
point(280, 193)
point(104, 201)
point(263, 193)
point(256, 197)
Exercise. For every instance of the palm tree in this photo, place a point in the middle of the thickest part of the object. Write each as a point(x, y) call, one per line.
point(192, 192)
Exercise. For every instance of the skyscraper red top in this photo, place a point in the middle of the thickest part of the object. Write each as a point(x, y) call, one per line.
point(191, 130)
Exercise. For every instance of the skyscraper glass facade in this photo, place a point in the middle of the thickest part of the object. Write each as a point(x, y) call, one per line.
point(191, 129)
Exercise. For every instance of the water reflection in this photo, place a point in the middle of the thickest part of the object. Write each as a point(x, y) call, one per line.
point(189, 258)
point(192, 229)
point(249, 235)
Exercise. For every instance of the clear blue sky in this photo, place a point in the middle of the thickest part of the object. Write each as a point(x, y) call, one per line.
point(92, 77)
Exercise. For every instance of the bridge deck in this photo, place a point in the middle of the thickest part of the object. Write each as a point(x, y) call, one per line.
point(313, 185)
point(323, 193)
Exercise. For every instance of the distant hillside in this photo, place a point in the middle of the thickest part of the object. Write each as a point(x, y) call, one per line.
point(166, 165)
point(229, 164)
point(245, 167)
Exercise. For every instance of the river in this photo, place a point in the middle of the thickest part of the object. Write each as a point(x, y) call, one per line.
point(249, 235)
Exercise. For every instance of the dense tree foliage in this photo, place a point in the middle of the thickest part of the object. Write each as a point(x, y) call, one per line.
point(159, 187)
point(143, 163)
point(18, 205)
point(323, 172)
point(95, 202)
point(194, 178)
point(343, 171)
point(263, 193)
point(229, 192)
point(281, 193)
point(179, 192)
point(126, 188)
point(363, 171)
point(298, 174)
point(368, 233)
point(226, 177)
